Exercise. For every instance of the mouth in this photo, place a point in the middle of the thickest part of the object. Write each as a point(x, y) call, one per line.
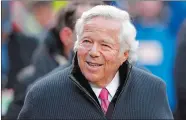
point(93, 64)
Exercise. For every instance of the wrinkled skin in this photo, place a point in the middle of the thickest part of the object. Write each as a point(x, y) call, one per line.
point(98, 53)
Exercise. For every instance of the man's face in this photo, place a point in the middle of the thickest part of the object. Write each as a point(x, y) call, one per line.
point(98, 54)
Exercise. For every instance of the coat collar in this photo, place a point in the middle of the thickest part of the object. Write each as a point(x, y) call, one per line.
point(124, 71)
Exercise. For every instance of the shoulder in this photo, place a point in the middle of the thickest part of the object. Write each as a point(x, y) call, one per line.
point(51, 83)
point(150, 89)
point(145, 78)
point(147, 85)
point(58, 76)
point(49, 89)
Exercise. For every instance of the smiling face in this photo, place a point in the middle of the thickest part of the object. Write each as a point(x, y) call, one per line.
point(99, 51)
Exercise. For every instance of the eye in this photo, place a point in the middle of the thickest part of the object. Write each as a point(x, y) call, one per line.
point(86, 41)
point(105, 45)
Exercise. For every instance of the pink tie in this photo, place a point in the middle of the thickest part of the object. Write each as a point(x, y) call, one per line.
point(104, 99)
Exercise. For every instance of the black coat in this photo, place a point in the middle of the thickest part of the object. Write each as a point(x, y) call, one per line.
point(180, 73)
point(20, 50)
point(66, 94)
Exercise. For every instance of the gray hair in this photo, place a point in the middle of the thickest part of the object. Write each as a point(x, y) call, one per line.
point(127, 31)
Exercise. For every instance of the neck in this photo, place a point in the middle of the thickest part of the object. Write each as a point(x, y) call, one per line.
point(101, 85)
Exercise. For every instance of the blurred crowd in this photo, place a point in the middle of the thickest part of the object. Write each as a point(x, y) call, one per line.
point(38, 36)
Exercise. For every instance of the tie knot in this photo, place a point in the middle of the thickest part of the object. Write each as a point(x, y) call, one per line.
point(104, 94)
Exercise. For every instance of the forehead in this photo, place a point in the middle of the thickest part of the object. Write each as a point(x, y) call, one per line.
point(102, 28)
point(103, 24)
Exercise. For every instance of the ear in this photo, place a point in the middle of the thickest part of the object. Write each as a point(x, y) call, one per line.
point(66, 35)
point(124, 56)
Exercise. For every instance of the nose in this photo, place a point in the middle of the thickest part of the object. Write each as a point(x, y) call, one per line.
point(94, 51)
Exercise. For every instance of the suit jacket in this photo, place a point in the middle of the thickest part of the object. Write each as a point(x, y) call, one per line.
point(66, 94)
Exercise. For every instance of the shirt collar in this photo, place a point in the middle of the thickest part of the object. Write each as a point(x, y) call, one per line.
point(111, 87)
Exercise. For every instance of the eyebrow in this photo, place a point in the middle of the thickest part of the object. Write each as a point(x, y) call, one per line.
point(109, 41)
point(105, 40)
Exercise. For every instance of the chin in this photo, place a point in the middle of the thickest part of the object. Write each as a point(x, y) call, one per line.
point(92, 77)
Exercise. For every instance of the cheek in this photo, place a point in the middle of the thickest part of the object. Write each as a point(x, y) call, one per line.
point(110, 56)
point(112, 61)
point(82, 51)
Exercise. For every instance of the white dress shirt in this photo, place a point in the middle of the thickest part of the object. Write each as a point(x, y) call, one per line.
point(111, 87)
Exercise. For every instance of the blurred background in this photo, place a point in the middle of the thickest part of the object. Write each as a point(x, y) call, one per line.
point(160, 28)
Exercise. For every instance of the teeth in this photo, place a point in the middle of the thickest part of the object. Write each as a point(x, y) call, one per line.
point(92, 64)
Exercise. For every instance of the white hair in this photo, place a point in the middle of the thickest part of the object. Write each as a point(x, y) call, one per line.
point(127, 31)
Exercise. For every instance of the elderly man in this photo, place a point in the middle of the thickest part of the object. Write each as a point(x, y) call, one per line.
point(101, 83)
